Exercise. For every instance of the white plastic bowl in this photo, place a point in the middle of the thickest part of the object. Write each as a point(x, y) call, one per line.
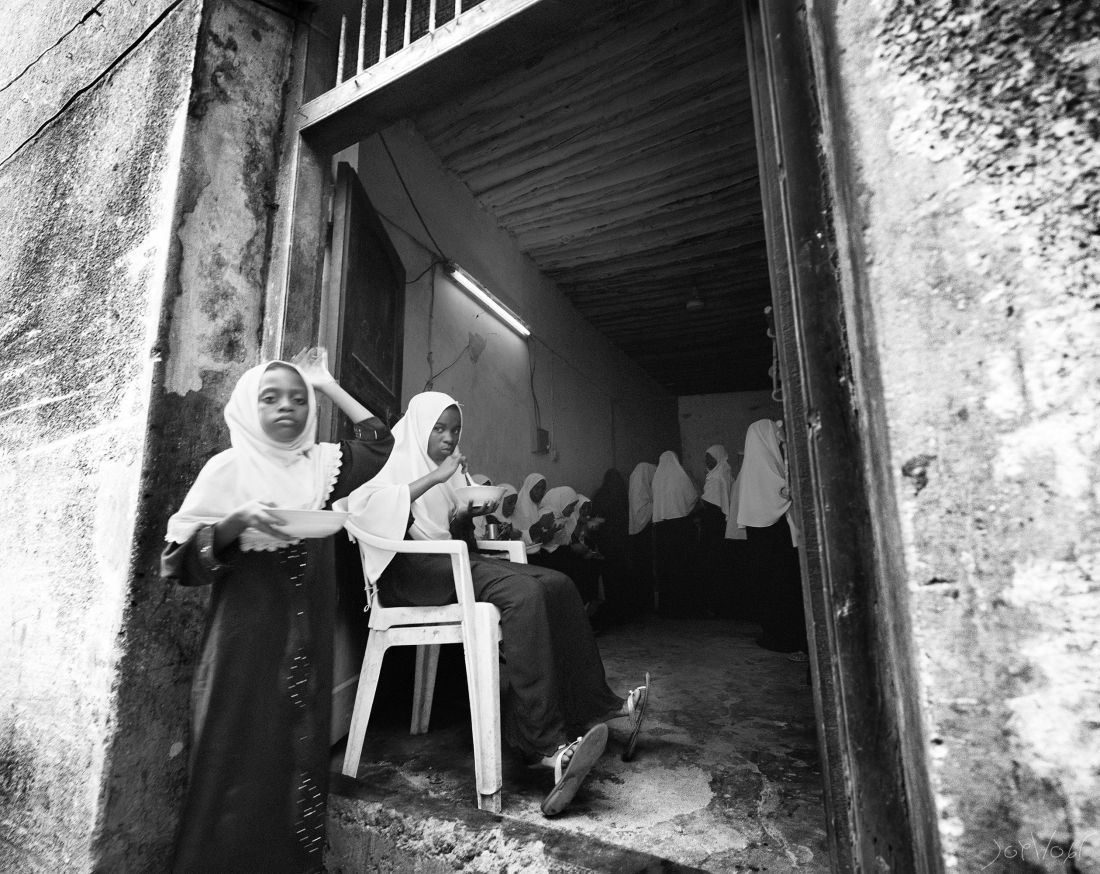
point(479, 496)
point(310, 523)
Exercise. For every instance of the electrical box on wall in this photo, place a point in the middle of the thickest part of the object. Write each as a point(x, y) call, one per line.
point(542, 441)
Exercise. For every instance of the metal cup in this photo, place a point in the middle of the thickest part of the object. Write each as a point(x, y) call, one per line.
point(492, 531)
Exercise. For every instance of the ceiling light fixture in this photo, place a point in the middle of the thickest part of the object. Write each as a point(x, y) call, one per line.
point(490, 301)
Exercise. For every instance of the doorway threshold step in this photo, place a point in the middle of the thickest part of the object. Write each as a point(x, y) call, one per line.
point(381, 822)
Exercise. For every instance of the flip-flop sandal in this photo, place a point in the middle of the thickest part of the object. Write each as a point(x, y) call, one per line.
point(586, 752)
point(637, 716)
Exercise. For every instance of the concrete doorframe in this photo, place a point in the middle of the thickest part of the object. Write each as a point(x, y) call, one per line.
point(879, 807)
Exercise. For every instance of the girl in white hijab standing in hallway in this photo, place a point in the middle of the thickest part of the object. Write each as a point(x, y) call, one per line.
point(764, 502)
point(676, 540)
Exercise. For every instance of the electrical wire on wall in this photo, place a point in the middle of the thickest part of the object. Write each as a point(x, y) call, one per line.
point(439, 258)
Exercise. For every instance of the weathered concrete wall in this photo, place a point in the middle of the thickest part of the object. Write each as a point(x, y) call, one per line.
point(602, 410)
point(973, 209)
point(210, 333)
point(88, 167)
point(138, 144)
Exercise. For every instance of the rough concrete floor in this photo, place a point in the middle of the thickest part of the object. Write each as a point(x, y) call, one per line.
point(726, 778)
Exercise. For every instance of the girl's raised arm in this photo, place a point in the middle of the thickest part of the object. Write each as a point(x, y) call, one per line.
point(314, 366)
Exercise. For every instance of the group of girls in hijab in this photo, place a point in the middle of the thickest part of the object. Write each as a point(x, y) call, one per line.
point(730, 551)
point(261, 698)
point(557, 526)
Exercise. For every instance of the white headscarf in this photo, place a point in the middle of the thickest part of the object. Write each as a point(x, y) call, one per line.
point(734, 531)
point(674, 493)
point(716, 490)
point(381, 505)
point(527, 512)
point(641, 496)
point(556, 501)
point(297, 475)
point(764, 496)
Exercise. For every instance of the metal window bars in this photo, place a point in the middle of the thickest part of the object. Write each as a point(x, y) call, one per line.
point(369, 18)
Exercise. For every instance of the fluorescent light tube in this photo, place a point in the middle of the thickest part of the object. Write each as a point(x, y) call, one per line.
point(488, 299)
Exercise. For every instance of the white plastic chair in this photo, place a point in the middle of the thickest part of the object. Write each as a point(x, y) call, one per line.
point(475, 625)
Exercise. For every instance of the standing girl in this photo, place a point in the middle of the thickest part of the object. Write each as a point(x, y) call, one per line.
point(764, 502)
point(262, 691)
point(553, 667)
point(676, 539)
point(715, 506)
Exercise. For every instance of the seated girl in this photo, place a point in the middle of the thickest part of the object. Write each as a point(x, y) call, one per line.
point(263, 685)
point(534, 518)
point(555, 674)
point(503, 515)
point(567, 550)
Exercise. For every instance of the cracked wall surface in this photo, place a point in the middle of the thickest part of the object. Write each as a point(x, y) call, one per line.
point(212, 322)
point(84, 234)
point(973, 200)
point(137, 145)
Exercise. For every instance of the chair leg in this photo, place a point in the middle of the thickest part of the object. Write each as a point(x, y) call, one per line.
point(427, 663)
point(490, 803)
point(485, 702)
point(364, 700)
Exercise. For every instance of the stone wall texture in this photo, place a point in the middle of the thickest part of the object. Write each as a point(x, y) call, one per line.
point(210, 330)
point(137, 145)
point(973, 203)
point(93, 102)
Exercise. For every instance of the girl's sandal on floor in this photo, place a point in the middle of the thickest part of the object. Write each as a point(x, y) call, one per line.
point(636, 704)
point(586, 752)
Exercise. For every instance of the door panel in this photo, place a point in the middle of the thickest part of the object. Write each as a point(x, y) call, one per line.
point(364, 331)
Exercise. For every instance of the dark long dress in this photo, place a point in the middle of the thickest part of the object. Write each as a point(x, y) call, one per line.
point(555, 676)
point(677, 558)
point(777, 580)
point(583, 571)
point(612, 504)
point(640, 559)
point(262, 695)
point(713, 565)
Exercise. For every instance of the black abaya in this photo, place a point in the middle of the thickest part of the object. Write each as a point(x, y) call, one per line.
point(262, 696)
point(679, 581)
point(778, 583)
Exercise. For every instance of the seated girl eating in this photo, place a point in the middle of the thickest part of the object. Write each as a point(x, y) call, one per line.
point(557, 686)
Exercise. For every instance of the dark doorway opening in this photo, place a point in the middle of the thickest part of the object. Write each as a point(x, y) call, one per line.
point(859, 676)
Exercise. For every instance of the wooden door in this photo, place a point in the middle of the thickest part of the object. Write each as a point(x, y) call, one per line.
point(363, 326)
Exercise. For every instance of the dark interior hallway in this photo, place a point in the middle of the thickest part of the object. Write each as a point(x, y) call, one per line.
point(726, 778)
